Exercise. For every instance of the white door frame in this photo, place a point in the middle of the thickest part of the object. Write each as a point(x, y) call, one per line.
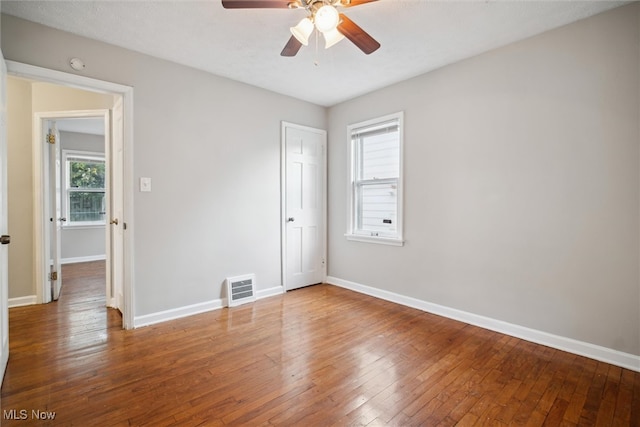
point(283, 198)
point(4, 276)
point(52, 206)
point(126, 92)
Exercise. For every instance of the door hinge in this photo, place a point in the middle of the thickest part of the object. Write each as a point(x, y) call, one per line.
point(51, 138)
point(53, 276)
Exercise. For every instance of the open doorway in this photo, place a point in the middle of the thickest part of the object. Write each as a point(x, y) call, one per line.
point(78, 197)
point(69, 119)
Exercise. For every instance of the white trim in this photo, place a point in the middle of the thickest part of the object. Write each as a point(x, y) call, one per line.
point(86, 83)
point(199, 308)
point(83, 227)
point(75, 260)
point(22, 301)
point(374, 239)
point(4, 251)
point(57, 77)
point(271, 292)
point(603, 354)
point(177, 313)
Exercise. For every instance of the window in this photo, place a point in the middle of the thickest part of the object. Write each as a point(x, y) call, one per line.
point(84, 181)
point(376, 180)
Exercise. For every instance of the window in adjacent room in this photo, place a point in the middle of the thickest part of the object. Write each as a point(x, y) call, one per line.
point(376, 180)
point(84, 183)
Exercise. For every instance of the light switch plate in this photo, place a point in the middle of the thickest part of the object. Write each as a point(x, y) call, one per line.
point(145, 184)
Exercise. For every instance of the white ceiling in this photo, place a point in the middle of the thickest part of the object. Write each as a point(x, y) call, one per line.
point(416, 36)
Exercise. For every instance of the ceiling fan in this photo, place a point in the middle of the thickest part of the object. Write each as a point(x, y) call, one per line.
point(323, 15)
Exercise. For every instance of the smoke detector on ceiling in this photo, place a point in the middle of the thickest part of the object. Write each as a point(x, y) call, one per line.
point(76, 64)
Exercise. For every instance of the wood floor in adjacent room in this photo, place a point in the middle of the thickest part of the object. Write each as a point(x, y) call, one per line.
point(318, 356)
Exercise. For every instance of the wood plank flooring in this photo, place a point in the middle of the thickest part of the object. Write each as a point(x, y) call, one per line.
point(318, 356)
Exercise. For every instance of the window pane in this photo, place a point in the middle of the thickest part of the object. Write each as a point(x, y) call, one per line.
point(86, 173)
point(378, 207)
point(86, 206)
point(380, 155)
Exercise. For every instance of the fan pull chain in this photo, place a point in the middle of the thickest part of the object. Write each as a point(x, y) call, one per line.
point(316, 61)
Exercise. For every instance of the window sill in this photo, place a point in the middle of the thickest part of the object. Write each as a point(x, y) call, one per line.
point(375, 239)
point(82, 226)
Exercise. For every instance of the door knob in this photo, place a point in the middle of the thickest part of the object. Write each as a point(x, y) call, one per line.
point(291, 219)
point(114, 221)
point(5, 240)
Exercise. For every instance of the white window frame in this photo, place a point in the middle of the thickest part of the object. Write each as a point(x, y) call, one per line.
point(66, 206)
point(361, 235)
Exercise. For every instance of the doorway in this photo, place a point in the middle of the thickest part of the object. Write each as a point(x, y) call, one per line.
point(303, 205)
point(118, 216)
point(78, 196)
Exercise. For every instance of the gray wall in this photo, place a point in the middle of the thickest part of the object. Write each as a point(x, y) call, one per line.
point(521, 178)
point(212, 148)
point(82, 242)
point(521, 184)
point(82, 141)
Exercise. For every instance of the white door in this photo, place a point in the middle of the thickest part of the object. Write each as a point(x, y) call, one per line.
point(55, 208)
point(114, 149)
point(4, 276)
point(304, 205)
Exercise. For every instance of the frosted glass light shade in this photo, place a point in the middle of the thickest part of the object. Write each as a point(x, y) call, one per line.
point(327, 18)
point(302, 31)
point(332, 37)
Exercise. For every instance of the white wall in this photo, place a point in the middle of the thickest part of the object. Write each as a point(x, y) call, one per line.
point(212, 148)
point(521, 184)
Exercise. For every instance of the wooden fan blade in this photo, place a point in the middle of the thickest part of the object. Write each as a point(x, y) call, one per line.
point(351, 3)
point(292, 47)
point(357, 35)
point(257, 4)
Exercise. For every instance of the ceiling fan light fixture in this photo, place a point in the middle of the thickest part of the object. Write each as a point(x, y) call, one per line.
point(302, 31)
point(326, 18)
point(332, 37)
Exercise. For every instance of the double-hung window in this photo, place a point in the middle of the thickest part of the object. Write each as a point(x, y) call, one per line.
point(84, 182)
point(376, 180)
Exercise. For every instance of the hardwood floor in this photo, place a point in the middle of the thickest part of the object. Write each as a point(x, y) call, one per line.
point(318, 356)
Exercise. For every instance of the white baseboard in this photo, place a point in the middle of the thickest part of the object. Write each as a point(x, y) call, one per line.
point(190, 310)
point(75, 260)
point(265, 293)
point(21, 301)
point(176, 313)
point(604, 354)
